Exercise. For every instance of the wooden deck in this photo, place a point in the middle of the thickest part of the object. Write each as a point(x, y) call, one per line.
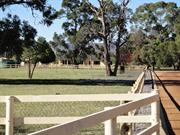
point(169, 87)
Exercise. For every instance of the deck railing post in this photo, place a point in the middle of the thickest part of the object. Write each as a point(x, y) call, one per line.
point(9, 115)
point(155, 112)
point(110, 126)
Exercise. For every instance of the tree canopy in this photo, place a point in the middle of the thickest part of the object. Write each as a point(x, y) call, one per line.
point(105, 22)
point(10, 33)
point(39, 51)
point(159, 23)
point(48, 12)
point(72, 44)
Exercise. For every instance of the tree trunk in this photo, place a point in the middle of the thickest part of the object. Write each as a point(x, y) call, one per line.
point(29, 68)
point(32, 72)
point(117, 59)
point(174, 66)
point(178, 65)
point(107, 59)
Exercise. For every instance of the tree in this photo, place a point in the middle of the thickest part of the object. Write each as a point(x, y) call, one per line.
point(72, 43)
point(10, 37)
point(87, 23)
point(39, 52)
point(177, 40)
point(137, 40)
point(60, 47)
point(48, 12)
point(108, 24)
point(157, 21)
point(64, 50)
point(28, 34)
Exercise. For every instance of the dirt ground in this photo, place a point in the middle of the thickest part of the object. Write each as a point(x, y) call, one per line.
point(169, 90)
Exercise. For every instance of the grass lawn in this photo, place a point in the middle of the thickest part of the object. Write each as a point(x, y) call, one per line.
point(58, 73)
point(60, 89)
point(61, 108)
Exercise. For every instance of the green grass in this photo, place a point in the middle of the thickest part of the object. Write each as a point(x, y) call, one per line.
point(60, 108)
point(60, 89)
point(58, 73)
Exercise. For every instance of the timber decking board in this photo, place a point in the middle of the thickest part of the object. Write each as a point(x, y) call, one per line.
point(171, 107)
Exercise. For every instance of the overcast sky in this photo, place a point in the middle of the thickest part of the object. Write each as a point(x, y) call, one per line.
point(48, 32)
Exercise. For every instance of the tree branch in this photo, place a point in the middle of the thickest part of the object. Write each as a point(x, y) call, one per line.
point(36, 4)
point(96, 32)
point(10, 2)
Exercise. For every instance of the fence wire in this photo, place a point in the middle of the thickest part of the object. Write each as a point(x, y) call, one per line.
point(96, 130)
point(56, 109)
point(2, 114)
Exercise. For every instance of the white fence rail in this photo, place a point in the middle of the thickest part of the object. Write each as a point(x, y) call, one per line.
point(110, 116)
point(72, 127)
point(76, 97)
point(9, 100)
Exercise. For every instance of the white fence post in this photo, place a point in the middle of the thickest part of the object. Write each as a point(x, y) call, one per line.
point(155, 112)
point(9, 115)
point(110, 126)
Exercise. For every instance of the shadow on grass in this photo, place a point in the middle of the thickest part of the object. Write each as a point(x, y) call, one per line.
point(66, 82)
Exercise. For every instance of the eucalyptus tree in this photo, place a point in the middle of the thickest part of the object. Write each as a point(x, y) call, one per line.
point(60, 47)
point(108, 22)
point(72, 43)
point(137, 40)
point(66, 51)
point(87, 23)
point(157, 21)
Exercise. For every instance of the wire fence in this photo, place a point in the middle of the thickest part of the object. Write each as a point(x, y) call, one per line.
point(59, 109)
point(2, 114)
point(55, 109)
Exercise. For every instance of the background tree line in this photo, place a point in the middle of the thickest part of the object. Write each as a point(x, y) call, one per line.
point(156, 34)
point(100, 30)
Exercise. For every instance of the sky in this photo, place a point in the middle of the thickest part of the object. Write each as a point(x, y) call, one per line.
point(48, 32)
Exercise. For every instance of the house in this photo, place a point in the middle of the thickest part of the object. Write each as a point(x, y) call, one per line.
point(93, 61)
point(90, 61)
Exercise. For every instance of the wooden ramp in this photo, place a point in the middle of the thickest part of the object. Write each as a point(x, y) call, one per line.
point(169, 86)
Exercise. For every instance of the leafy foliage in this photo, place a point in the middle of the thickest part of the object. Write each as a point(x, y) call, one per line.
point(38, 52)
point(10, 33)
point(48, 12)
point(87, 23)
point(159, 22)
point(73, 44)
point(107, 23)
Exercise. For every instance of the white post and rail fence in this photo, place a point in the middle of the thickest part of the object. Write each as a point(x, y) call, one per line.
point(111, 116)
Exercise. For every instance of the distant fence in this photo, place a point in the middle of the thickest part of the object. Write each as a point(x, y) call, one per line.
point(111, 116)
point(10, 66)
point(81, 66)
